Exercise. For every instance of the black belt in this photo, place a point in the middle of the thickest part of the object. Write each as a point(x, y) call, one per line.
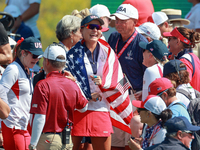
point(51, 132)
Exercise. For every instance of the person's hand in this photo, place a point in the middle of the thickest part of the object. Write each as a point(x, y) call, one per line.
point(1, 139)
point(96, 79)
point(68, 75)
point(138, 95)
point(134, 144)
point(96, 97)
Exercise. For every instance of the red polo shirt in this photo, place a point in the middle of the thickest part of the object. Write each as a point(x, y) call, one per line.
point(53, 97)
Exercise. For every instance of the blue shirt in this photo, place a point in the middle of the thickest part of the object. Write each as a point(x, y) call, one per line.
point(179, 109)
point(131, 59)
point(24, 31)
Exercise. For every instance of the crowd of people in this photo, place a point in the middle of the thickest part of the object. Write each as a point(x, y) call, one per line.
point(131, 92)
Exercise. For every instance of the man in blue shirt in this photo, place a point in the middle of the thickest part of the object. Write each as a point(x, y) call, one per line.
point(125, 42)
point(19, 27)
point(128, 38)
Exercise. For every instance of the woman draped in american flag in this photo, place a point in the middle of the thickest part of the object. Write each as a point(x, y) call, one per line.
point(97, 70)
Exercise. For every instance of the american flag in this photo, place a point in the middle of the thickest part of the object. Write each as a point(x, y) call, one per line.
point(123, 85)
point(114, 86)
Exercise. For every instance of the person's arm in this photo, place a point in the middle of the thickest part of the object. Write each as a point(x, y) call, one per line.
point(38, 125)
point(30, 12)
point(5, 54)
point(4, 109)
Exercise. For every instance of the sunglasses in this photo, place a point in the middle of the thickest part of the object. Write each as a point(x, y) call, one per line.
point(141, 109)
point(189, 132)
point(33, 56)
point(162, 92)
point(92, 26)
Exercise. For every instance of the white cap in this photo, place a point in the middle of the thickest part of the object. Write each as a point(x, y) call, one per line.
point(100, 11)
point(155, 104)
point(13, 10)
point(53, 51)
point(159, 17)
point(126, 11)
point(150, 29)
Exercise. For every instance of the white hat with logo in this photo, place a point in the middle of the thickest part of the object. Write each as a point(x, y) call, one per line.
point(150, 29)
point(126, 11)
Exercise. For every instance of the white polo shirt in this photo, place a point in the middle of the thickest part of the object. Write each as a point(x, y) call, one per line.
point(19, 92)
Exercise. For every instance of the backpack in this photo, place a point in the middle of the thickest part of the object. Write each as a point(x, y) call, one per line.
point(194, 112)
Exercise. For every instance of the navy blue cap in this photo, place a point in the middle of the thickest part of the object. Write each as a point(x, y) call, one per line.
point(90, 18)
point(157, 48)
point(172, 66)
point(179, 123)
point(32, 45)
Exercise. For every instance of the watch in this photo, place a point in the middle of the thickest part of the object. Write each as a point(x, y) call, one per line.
point(31, 147)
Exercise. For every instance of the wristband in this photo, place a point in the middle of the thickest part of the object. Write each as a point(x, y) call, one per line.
point(31, 147)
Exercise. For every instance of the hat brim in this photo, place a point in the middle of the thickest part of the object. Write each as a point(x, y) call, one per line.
point(111, 17)
point(143, 45)
point(167, 34)
point(137, 104)
point(191, 127)
point(183, 21)
point(139, 30)
point(100, 20)
point(37, 52)
point(104, 29)
point(120, 16)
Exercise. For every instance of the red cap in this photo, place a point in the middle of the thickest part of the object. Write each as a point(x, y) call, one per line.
point(159, 85)
point(177, 34)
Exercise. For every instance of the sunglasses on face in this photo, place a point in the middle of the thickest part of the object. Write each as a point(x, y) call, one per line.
point(33, 56)
point(160, 94)
point(92, 26)
point(189, 132)
point(141, 109)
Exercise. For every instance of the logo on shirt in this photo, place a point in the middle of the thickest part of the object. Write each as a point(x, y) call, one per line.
point(129, 54)
point(102, 58)
point(34, 105)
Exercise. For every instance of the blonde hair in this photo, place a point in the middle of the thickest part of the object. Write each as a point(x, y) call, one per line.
point(81, 14)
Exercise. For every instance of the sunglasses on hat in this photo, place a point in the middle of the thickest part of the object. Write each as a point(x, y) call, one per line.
point(33, 56)
point(92, 26)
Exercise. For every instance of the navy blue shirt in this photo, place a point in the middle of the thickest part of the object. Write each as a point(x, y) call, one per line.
point(93, 61)
point(131, 59)
point(169, 143)
point(24, 31)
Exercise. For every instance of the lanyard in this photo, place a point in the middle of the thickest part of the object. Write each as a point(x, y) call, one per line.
point(126, 45)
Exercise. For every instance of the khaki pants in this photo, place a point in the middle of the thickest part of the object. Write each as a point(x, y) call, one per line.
point(49, 141)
